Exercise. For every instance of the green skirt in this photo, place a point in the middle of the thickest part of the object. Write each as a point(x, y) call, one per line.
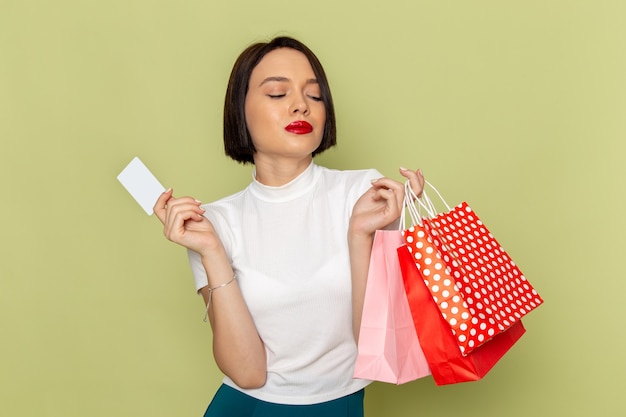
point(229, 402)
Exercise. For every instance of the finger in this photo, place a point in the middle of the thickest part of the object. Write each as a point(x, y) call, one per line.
point(160, 207)
point(390, 185)
point(177, 216)
point(173, 202)
point(389, 203)
point(181, 206)
point(416, 179)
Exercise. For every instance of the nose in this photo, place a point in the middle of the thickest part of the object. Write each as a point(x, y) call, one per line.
point(299, 105)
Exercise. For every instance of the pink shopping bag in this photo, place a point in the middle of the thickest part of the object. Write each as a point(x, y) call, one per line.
point(388, 346)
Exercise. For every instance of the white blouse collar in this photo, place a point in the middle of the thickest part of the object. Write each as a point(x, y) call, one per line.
point(293, 189)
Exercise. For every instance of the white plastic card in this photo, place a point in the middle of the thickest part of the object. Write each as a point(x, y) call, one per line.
point(141, 184)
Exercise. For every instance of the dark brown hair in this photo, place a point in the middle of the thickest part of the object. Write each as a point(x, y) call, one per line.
point(237, 141)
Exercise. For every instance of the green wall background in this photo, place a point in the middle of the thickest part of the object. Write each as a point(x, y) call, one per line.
point(516, 107)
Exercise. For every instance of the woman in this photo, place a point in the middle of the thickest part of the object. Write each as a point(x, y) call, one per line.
point(282, 265)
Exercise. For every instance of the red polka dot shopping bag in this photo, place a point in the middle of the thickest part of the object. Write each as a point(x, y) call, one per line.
point(477, 287)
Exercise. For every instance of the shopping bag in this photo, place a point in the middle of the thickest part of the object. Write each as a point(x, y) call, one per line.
point(388, 347)
point(478, 288)
point(447, 364)
point(437, 276)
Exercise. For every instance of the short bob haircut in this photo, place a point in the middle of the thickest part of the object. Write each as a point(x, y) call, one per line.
point(237, 141)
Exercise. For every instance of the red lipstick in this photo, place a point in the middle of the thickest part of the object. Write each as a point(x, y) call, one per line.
point(299, 127)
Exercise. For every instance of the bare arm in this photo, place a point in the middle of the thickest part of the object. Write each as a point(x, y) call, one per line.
point(360, 250)
point(238, 350)
point(237, 347)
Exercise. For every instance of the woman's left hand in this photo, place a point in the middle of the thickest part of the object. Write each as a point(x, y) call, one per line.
point(382, 204)
point(378, 208)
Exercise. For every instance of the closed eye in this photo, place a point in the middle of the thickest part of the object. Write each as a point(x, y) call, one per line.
point(276, 95)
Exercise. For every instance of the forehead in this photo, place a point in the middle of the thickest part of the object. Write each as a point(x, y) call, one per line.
point(283, 62)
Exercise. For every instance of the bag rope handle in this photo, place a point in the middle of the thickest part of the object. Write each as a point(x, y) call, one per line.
point(423, 202)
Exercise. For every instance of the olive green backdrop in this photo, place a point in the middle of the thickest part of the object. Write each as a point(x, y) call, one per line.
point(517, 107)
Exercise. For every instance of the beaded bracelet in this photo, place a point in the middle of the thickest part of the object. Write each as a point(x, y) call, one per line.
point(208, 304)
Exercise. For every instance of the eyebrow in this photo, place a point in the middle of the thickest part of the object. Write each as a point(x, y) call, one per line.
point(285, 79)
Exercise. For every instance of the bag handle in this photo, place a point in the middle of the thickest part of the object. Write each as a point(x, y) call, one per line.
point(409, 205)
point(423, 202)
point(430, 203)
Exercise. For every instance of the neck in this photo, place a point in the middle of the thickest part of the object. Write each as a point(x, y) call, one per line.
point(275, 173)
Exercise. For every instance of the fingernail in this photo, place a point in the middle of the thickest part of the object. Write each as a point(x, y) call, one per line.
point(168, 190)
point(403, 169)
point(374, 180)
point(197, 201)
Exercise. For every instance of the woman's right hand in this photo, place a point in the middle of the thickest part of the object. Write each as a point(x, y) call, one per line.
point(184, 223)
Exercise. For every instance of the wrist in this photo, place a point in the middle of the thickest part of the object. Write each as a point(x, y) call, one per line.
point(360, 237)
point(210, 295)
point(213, 252)
point(217, 266)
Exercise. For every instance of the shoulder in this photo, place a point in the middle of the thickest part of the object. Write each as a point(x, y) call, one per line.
point(230, 200)
point(351, 176)
point(347, 184)
point(223, 209)
point(349, 181)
